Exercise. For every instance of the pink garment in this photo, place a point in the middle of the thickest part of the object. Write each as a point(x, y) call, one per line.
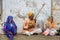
point(46, 32)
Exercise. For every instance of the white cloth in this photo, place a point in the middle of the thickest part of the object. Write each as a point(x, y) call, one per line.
point(37, 30)
point(1, 31)
point(27, 33)
point(53, 32)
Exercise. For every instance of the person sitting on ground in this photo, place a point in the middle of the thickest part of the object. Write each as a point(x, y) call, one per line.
point(10, 28)
point(50, 27)
point(30, 24)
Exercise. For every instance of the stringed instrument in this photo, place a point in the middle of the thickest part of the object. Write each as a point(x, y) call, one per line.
point(31, 24)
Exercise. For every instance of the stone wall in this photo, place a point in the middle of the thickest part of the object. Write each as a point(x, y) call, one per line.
point(13, 7)
point(22, 7)
point(56, 12)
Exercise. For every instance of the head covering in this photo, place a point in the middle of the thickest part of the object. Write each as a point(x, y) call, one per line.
point(8, 26)
point(30, 13)
point(9, 18)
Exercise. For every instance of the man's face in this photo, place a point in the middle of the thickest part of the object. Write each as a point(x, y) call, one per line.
point(31, 17)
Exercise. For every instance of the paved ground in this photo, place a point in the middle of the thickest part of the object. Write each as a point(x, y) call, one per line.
point(32, 37)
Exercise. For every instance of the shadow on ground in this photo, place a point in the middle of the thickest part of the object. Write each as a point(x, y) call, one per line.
point(32, 37)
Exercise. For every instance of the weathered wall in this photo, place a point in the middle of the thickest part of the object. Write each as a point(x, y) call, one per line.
point(56, 12)
point(0, 8)
point(13, 7)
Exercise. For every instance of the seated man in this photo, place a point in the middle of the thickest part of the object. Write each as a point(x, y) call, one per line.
point(30, 24)
point(50, 27)
point(10, 28)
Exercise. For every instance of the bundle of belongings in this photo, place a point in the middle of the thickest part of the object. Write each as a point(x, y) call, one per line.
point(58, 32)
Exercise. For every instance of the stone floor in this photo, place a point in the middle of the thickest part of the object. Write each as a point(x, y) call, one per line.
point(32, 37)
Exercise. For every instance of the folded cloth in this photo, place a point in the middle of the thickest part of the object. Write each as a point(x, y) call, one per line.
point(46, 32)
